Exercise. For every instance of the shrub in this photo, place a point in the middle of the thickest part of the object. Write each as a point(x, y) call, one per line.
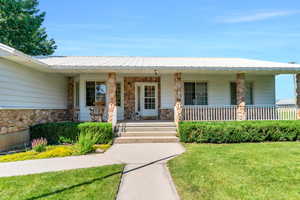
point(239, 131)
point(68, 132)
point(86, 142)
point(39, 145)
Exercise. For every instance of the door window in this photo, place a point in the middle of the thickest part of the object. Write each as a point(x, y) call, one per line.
point(149, 97)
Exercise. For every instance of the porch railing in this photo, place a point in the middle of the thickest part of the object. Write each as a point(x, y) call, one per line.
point(228, 113)
point(209, 113)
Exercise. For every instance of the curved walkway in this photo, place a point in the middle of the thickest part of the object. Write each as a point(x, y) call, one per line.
point(145, 176)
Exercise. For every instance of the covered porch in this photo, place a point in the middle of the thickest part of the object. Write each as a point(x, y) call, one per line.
point(178, 96)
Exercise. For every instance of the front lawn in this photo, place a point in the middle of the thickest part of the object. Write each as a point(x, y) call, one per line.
point(89, 183)
point(248, 171)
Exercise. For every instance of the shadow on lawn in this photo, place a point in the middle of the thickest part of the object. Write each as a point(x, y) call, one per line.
point(98, 179)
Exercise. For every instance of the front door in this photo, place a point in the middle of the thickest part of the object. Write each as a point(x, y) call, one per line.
point(146, 99)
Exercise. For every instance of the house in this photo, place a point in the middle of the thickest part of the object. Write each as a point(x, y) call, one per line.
point(56, 88)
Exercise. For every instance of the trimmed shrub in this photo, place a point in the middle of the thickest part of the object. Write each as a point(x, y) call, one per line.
point(62, 132)
point(239, 131)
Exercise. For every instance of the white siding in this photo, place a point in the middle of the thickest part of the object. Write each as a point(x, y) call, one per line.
point(167, 91)
point(23, 87)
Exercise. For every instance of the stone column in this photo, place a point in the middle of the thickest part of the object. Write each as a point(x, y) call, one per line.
point(178, 97)
point(241, 96)
point(70, 97)
point(298, 95)
point(112, 101)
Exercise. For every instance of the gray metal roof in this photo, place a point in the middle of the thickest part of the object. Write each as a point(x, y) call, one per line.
point(158, 61)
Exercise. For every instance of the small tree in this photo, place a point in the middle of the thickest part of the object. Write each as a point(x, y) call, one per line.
point(20, 27)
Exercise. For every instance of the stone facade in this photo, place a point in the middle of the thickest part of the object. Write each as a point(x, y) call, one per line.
point(166, 114)
point(70, 97)
point(19, 120)
point(241, 96)
point(129, 94)
point(112, 86)
point(178, 97)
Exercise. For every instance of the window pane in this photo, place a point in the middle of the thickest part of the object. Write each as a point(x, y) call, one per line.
point(149, 103)
point(149, 97)
point(90, 93)
point(118, 94)
point(201, 94)
point(149, 91)
point(77, 94)
point(100, 92)
point(249, 93)
point(233, 93)
point(189, 93)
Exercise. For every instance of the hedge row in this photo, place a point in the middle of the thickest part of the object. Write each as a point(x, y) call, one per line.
point(62, 132)
point(239, 131)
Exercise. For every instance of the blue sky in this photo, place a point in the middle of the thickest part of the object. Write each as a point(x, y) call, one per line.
point(258, 29)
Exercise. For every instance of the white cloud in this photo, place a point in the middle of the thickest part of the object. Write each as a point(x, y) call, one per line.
point(256, 16)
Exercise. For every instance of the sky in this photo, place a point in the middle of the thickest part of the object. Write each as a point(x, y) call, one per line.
point(255, 29)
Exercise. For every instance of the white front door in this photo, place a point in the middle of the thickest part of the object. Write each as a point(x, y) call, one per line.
point(146, 99)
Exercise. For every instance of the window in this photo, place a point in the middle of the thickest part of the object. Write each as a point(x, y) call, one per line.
point(149, 97)
point(249, 93)
point(77, 94)
point(195, 93)
point(118, 94)
point(95, 92)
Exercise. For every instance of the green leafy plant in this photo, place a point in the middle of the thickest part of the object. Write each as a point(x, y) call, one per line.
point(86, 142)
point(239, 131)
point(39, 145)
point(68, 132)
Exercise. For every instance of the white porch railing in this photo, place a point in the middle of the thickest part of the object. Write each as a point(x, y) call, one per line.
point(271, 112)
point(209, 113)
point(228, 113)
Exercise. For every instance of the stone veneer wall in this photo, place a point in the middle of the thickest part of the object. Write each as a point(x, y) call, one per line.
point(241, 96)
point(129, 91)
point(19, 120)
point(14, 124)
point(167, 114)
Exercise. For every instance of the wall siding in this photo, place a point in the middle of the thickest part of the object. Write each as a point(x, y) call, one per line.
point(22, 87)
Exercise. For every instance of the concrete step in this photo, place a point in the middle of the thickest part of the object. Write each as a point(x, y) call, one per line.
point(148, 128)
point(148, 133)
point(147, 124)
point(162, 139)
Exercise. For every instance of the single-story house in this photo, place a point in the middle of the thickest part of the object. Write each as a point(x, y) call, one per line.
point(56, 88)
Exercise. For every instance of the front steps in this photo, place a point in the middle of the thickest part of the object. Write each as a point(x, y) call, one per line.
point(146, 132)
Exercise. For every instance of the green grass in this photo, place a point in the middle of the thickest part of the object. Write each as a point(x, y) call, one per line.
point(248, 171)
point(89, 183)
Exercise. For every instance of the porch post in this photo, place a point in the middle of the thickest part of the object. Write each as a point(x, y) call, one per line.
point(178, 97)
point(70, 98)
point(241, 96)
point(112, 108)
point(298, 95)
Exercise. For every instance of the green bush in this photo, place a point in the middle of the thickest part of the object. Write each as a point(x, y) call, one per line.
point(239, 131)
point(86, 142)
point(62, 132)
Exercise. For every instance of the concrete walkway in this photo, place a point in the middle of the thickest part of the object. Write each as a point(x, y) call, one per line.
point(145, 176)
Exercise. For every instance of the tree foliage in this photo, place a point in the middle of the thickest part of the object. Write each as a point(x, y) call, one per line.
point(21, 27)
